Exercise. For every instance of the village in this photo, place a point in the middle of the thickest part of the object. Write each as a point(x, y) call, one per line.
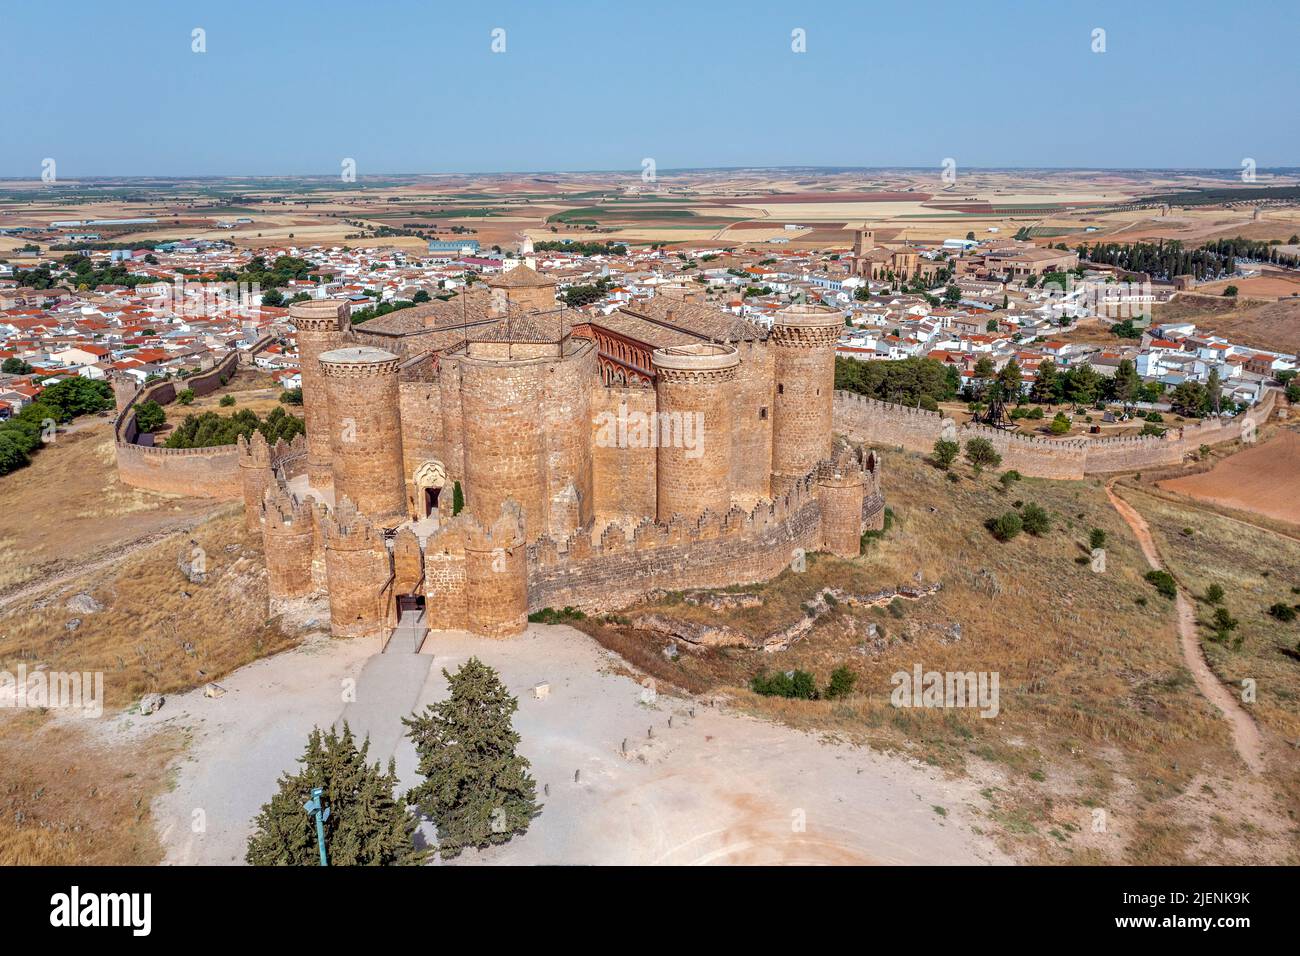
point(176, 308)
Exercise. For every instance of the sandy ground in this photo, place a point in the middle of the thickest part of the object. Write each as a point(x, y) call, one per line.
point(1264, 479)
point(716, 787)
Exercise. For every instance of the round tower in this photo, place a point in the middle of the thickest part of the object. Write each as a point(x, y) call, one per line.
point(255, 476)
point(840, 486)
point(505, 444)
point(496, 575)
point(287, 535)
point(525, 424)
point(320, 325)
point(694, 391)
point(358, 567)
point(365, 430)
point(803, 348)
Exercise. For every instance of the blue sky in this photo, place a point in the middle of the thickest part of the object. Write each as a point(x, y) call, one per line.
point(289, 88)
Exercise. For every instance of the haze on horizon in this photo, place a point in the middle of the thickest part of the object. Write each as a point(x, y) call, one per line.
point(409, 88)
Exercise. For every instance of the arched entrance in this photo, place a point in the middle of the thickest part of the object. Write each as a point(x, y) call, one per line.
point(430, 478)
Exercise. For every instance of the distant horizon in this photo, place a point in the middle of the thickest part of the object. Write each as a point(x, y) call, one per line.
point(179, 91)
point(1228, 171)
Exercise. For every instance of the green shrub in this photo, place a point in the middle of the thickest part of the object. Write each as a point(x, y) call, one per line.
point(1096, 538)
point(841, 685)
point(1283, 612)
point(1035, 520)
point(149, 416)
point(185, 396)
point(945, 453)
point(227, 401)
point(549, 615)
point(1214, 594)
point(1005, 526)
point(210, 429)
point(1163, 582)
point(793, 684)
point(981, 454)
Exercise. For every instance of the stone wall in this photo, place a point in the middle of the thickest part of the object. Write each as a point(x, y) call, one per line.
point(751, 423)
point(613, 569)
point(880, 423)
point(198, 472)
point(623, 473)
point(201, 472)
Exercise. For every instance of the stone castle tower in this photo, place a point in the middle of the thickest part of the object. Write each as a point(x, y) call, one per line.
point(694, 394)
point(841, 483)
point(522, 288)
point(288, 539)
point(803, 347)
point(359, 569)
point(320, 325)
point(524, 395)
point(365, 430)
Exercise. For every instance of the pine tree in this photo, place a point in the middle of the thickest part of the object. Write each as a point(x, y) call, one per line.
point(367, 826)
point(477, 790)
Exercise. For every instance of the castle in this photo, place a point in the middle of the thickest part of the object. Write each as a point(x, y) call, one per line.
point(470, 461)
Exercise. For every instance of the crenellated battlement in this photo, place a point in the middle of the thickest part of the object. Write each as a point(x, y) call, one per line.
point(869, 420)
point(284, 513)
point(346, 529)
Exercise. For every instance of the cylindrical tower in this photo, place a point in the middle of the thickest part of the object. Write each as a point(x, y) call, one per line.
point(839, 487)
point(287, 533)
point(496, 576)
point(255, 476)
point(694, 392)
point(358, 567)
point(365, 430)
point(505, 444)
point(567, 425)
point(803, 346)
point(320, 325)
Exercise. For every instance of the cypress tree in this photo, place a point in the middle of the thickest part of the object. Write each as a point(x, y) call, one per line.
point(367, 825)
point(477, 790)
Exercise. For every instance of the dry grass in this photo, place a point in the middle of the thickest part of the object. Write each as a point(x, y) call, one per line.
point(1256, 569)
point(158, 632)
point(68, 793)
point(68, 797)
point(1097, 709)
point(69, 507)
point(256, 391)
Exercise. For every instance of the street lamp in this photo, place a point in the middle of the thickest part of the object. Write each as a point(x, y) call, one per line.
point(314, 809)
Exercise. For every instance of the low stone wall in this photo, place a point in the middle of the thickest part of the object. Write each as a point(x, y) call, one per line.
point(881, 423)
point(200, 472)
point(617, 569)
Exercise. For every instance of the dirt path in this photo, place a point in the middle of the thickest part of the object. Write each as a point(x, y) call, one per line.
point(114, 556)
point(1245, 734)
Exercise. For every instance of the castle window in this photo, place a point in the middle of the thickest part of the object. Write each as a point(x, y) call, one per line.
point(762, 413)
point(780, 390)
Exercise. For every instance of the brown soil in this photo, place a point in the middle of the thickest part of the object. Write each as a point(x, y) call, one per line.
point(1264, 479)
